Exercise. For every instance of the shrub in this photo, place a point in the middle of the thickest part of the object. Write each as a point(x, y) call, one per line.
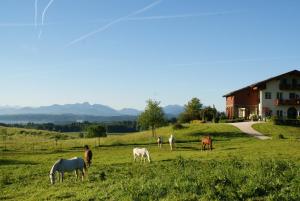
point(288, 122)
point(280, 136)
point(178, 126)
point(253, 117)
point(81, 135)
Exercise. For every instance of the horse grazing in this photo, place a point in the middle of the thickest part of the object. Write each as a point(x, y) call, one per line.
point(67, 165)
point(206, 141)
point(172, 142)
point(143, 153)
point(159, 141)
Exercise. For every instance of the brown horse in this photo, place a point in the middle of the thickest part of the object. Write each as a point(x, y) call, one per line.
point(88, 155)
point(206, 141)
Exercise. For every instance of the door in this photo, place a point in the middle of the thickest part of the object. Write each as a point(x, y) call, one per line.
point(292, 113)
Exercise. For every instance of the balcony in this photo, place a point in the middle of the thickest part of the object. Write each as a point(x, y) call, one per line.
point(284, 86)
point(291, 102)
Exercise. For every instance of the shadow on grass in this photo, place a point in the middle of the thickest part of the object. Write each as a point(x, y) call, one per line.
point(16, 162)
point(224, 135)
point(188, 148)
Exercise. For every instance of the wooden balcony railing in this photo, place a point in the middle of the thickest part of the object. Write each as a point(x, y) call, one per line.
point(278, 102)
point(289, 86)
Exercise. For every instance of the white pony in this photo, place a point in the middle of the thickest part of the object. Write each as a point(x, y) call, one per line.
point(172, 142)
point(143, 153)
point(159, 141)
point(67, 165)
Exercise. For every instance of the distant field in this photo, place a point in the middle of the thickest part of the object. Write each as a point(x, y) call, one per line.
point(239, 167)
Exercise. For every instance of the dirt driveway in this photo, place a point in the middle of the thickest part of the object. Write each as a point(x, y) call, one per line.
point(246, 127)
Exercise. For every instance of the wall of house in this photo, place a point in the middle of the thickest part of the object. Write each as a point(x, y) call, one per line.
point(273, 88)
point(246, 98)
point(229, 106)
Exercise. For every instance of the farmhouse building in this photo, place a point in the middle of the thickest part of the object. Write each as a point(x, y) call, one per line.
point(277, 96)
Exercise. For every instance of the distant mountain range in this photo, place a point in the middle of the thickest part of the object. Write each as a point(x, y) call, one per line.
point(77, 111)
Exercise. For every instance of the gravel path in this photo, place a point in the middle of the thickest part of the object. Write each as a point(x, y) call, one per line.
point(246, 127)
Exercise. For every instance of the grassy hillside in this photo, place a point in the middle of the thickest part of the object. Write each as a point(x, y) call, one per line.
point(274, 131)
point(238, 168)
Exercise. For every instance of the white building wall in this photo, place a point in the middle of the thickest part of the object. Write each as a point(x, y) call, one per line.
point(273, 88)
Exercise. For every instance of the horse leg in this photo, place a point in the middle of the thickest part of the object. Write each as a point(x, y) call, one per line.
point(76, 173)
point(82, 174)
point(58, 176)
point(62, 176)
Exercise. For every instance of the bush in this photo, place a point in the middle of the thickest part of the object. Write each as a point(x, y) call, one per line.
point(96, 131)
point(59, 136)
point(287, 122)
point(280, 136)
point(178, 126)
point(81, 135)
point(253, 117)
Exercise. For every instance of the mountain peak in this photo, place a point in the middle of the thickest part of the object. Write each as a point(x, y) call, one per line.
point(84, 108)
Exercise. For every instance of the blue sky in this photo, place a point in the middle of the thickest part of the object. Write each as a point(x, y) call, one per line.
point(121, 53)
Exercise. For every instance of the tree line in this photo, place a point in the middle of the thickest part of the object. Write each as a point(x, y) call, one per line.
point(154, 117)
point(112, 127)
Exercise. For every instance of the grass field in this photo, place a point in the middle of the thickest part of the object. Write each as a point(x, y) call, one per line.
point(238, 168)
point(274, 131)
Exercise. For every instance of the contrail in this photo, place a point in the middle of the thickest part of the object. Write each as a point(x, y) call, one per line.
point(45, 11)
point(44, 16)
point(35, 12)
point(103, 28)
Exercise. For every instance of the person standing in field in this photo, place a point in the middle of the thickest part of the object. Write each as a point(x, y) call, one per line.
point(88, 155)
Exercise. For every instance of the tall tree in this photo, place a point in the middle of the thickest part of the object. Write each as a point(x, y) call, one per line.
point(153, 117)
point(96, 131)
point(192, 111)
point(209, 114)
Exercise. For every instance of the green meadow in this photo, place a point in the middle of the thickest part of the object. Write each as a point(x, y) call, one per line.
point(238, 168)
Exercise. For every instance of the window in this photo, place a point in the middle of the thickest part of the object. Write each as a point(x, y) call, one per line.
point(279, 113)
point(268, 95)
point(279, 95)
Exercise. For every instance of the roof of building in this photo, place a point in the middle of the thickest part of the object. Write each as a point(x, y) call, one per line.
point(297, 72)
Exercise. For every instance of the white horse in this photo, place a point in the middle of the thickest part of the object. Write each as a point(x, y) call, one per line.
point(172, 142)
point(143, 153)
point(159, 141)
point(67, 165)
